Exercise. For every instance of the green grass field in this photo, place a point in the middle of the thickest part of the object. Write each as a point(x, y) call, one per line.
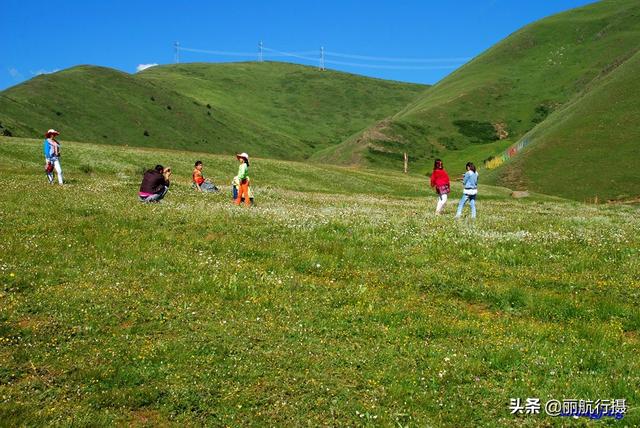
point(340, 299)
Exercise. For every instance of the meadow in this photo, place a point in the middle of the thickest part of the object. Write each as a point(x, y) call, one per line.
point(340, 299)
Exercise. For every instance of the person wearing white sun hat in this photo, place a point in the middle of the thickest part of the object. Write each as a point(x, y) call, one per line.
point(243, 177)
point(51, 148)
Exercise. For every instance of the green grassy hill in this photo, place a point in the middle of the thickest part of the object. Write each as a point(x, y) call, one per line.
point(554, 78)
point(512, 87)
point(339, 299)
point(269, 109)
point(590, 148)
point(319, 109)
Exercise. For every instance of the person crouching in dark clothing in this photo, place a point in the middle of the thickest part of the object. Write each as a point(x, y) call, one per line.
point(155, 184)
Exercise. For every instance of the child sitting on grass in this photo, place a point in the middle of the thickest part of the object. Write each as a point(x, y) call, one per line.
point(199, 182)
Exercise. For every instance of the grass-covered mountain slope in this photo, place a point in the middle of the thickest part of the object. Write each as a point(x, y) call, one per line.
point(317, 108)
point(565, 82)
point(269, 109)
point(590, 149)
point(508, 90)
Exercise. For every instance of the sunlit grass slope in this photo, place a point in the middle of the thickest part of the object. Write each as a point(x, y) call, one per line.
point(340, 299)
point(316, 108)
point(276, 110)
point(512, 87)
point(590, 149)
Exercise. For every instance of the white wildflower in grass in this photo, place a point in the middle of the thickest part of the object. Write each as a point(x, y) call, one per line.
point(344, 297)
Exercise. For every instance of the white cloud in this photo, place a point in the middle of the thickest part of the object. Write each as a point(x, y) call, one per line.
point(13, 72)
point(41, 71)
point(141, 67)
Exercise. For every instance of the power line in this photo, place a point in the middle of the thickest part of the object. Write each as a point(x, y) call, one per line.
point(221, 53)
point(393, 67)
point(299, 55)
point(265, 51)
point(244, 54)
point(389, 59)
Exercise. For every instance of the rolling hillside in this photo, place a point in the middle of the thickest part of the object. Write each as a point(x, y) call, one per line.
point(509, 89)
point(588, 149)
point(566, 82)
point(276, 110)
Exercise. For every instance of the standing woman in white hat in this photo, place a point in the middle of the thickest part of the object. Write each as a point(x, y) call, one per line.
point(52, 156)
point(243, 178)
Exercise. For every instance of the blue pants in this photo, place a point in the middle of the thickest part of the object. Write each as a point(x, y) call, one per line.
point(156, 197)
point(472, 204)
point(208, 187)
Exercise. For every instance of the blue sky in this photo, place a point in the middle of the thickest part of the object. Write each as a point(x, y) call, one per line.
point(377, 37)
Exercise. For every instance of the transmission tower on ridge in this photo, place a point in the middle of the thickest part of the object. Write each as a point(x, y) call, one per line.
point(260, 52)
point(176, 45)
point(321, 58)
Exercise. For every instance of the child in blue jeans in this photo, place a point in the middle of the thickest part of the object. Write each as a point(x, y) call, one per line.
point(470, 190)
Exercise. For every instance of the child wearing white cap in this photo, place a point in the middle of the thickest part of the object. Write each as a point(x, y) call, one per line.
point(51, 148)
point(243, 177)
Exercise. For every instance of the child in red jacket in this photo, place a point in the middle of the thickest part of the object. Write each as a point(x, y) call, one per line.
point(440, 181)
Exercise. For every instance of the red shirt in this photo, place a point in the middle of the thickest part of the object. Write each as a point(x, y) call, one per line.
point(197, 176)
point(439, 177)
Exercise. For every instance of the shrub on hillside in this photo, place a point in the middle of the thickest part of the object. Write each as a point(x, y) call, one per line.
point(7, 133)
point(541, 112)
point(448, 142)
point(477, 132)
point(146, 133)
